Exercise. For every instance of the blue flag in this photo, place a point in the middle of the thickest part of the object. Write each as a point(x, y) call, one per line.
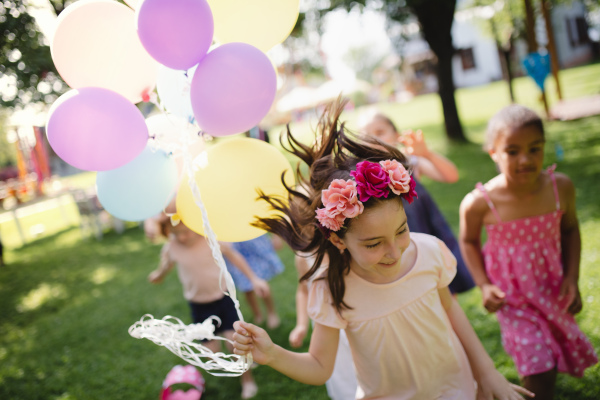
point(537, 66)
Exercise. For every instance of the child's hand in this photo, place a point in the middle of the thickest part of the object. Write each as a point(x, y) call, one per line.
point(493, 297)
point(493, 385)
point(261, 287)
point(414, 143)
point(250, 338)
point(155, 277)
point(297, 336)
point(569, 294)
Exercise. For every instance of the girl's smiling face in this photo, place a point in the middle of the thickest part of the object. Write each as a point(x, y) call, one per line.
point(519, 154)
point(376, 241)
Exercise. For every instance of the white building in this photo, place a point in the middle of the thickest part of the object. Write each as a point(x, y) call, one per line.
point(477, 60)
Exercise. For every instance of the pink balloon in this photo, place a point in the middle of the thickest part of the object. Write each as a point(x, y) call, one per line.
point(95, 44)
point(96, 129)
point(177, 33)
point(233, 89)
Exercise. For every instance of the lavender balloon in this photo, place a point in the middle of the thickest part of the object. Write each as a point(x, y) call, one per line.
point(176, 33)
point(96, 129)
point(233, 89)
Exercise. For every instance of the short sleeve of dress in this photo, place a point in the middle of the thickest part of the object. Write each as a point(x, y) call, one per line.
point(320, 306)
point(447, 269)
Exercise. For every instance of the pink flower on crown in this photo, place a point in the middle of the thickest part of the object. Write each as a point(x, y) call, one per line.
point(399, 177)
point(371, 180)
point(341, 202)
point(411, 195)
point(333, 222)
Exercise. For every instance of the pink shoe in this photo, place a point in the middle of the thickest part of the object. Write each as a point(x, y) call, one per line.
point(183, 374)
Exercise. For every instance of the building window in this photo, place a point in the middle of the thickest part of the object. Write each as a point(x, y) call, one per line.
point(466, 58)
point(577, 30)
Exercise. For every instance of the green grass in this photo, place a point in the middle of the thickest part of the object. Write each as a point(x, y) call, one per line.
point(66, 302)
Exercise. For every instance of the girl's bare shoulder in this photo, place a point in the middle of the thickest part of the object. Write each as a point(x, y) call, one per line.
point(475, 201)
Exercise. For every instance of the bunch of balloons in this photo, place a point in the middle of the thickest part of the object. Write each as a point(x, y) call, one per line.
point(206, 60)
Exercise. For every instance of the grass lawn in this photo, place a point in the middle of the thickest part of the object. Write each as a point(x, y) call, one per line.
point(66, 302)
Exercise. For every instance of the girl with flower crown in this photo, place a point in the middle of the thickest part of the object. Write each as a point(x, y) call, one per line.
point(387, 288)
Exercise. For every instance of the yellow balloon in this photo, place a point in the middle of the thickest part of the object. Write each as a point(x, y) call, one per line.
point(261, 23)
point(228, 181)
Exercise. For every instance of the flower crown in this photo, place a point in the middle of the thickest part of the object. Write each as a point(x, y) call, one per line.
point(344, 198)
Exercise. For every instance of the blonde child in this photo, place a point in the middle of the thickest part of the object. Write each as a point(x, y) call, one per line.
point(386, 287)
point(199, 276)
point(529, 267)
point(424, 215)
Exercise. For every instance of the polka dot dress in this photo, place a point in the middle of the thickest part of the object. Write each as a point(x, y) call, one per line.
point(523, 258)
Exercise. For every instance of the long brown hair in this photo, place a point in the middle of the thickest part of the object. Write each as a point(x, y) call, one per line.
point(334, 154)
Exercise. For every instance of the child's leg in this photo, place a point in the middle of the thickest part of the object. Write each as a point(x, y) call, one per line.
point(254, 306)
point(541, 384)
point(272, 317)
point(249, 388)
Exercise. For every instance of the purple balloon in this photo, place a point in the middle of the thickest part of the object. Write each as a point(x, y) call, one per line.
point(176, 33)
point(96, 129)
point(233, 89)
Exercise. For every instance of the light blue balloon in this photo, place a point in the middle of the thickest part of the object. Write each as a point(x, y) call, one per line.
point(140, 189)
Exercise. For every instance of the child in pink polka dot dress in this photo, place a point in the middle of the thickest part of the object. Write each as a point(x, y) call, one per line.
point(528, 270)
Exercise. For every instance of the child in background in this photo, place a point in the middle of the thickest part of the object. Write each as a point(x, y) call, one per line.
point(199, 275)
point(529, 267)
point(424, 215)
point(385, 287)
point(260, 255)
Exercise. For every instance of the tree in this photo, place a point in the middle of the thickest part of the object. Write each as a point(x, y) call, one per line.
point(27, 72)
point(435, 18)
point(504, 22)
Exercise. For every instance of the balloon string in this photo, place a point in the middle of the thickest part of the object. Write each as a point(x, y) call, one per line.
point(177, 337)
point(211, 237)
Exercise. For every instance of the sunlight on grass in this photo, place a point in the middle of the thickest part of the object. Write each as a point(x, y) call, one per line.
point(41, 295)
point(103, 274)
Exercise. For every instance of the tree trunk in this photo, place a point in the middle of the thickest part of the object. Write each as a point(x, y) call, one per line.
point(505, 57)
point(435, 18)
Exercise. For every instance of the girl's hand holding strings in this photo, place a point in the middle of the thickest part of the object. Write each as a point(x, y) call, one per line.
point(493, 385)
point(569, 293)
point(250, 338)
point(493, 297)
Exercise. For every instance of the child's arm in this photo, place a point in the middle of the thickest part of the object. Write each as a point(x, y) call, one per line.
point(164, 266)
point(260, 286)
point(299, 332)
point(490, 383)
point(312, 368)
point(472, 209)
point(431, 164)
point(571, 246)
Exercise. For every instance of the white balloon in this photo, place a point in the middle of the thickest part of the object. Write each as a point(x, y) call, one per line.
point(171, 133)
point(173, 87)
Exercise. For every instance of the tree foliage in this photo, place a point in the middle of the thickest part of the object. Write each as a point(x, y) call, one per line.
point(435, 18)
point(27, 73)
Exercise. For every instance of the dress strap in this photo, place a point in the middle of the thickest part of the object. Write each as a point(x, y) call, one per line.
point(550, 170)
point(488, 200)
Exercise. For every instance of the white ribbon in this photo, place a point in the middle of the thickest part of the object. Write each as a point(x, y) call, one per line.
point(178, 337)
